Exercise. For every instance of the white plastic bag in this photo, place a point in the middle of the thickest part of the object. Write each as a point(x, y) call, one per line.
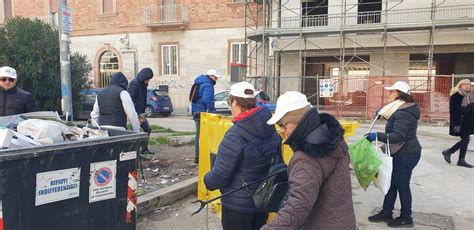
point(41, 129)
point(383, 178)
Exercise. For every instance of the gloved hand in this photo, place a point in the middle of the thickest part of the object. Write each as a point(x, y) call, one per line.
point(377, 113)
point(371, 136)
point(457, 129)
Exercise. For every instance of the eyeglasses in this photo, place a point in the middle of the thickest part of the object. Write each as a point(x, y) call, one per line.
point(282, 125)
point(4, 79)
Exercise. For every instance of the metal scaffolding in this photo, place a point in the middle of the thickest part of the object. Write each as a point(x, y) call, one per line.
point(265, 24)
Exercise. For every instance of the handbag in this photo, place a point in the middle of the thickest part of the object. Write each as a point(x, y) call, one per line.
point(393, 148)
point(272, 190)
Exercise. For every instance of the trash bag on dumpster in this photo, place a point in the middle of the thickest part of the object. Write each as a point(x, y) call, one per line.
point(364, 161)
point(41, 129)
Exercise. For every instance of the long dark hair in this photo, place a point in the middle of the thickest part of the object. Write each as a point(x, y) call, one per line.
point(404, 97)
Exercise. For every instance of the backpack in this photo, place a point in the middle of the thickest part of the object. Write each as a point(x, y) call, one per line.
point(193, 93)
point(273, 188)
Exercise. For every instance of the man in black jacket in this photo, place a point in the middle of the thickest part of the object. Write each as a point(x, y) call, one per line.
point(138, 92)
point(13, 100)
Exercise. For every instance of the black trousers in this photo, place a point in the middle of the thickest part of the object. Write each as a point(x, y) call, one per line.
point(147, 129)
point(234, 220)
point(462, 146)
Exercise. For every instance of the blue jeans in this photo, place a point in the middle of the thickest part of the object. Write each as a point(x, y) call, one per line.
point(403, 166)
point(197, 120)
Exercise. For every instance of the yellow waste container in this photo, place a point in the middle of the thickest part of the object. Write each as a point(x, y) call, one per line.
point(213, 128)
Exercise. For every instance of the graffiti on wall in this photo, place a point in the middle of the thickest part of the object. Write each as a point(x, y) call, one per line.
point(172, 84)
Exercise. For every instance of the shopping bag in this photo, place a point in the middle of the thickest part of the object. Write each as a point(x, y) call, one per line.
point(365, 161)
point(383, 178)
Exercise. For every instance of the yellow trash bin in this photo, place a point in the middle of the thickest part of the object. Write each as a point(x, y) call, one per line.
point(213, 128)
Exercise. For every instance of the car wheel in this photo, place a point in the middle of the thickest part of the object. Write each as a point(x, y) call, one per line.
point(166, 114)
point(148, 111)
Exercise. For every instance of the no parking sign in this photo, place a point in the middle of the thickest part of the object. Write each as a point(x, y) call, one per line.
point(102, 181)
point(326, 88)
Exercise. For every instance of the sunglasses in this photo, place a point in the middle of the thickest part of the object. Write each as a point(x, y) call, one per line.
point(282, 125)
point(4, 79)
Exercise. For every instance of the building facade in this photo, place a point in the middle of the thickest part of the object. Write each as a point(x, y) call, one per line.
point(369, 38)
point(178, 39)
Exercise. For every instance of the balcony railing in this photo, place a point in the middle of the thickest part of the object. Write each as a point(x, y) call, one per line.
point(447, 15)
point(155, 16)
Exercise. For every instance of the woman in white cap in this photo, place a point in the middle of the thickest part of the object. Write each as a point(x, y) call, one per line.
point(402, 114)
point(460, 124)
point(320, 195)
point(244, 156)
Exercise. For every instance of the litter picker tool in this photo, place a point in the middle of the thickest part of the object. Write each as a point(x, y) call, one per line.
point(244, 185)
point(373, 123)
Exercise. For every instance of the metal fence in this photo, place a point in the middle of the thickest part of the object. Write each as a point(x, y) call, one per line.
point(360, 97)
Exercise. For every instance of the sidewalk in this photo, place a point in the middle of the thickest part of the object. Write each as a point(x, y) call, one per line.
point(443, 196)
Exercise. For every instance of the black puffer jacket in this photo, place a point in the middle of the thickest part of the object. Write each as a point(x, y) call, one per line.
point(244, 154)
point(401, 128)
point(467, 124)
point(16, 101)
point(138, 89)
point(110, 103)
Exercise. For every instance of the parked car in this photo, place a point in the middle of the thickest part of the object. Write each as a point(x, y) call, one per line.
point(158, 102)
point(221, 98)
point(87, 104)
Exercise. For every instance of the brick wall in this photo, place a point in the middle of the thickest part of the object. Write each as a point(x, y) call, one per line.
point(128, 15)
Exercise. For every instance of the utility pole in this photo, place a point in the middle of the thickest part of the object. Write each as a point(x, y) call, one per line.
point(65, 27)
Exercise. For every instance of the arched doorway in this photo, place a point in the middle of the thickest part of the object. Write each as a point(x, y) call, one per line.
point(108, 64)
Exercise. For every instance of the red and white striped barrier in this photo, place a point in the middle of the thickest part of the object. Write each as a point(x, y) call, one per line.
point(131, 195)
point(1, 216)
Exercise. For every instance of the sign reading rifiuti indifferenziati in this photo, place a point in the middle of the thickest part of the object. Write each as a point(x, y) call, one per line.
point(57, 185)
point(102, 181)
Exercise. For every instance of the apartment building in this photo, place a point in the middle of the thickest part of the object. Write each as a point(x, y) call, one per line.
point(178, 39)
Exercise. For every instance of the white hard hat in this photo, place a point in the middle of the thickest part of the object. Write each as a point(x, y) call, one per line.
point(238, 90)
point(213, 72)
point(287, 102)
point(6, 71)
point(400, 86)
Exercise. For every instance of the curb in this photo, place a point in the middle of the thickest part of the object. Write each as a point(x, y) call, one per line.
point(180, 140)
point(165, 196)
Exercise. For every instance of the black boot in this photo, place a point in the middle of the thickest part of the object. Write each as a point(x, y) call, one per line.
point(447, 156)
point(462, 160)
point(463, 163)
point(401, 222)
point(380, 217)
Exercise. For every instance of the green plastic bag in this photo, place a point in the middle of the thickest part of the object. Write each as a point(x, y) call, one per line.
point(364, 161)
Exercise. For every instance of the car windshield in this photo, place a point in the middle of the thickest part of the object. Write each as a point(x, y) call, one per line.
point(222, 96)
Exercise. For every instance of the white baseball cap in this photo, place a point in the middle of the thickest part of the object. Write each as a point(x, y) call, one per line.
point(401, 86)
point(6, 71)
point(213, 72)
point(238, 90)
point(287, 102)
